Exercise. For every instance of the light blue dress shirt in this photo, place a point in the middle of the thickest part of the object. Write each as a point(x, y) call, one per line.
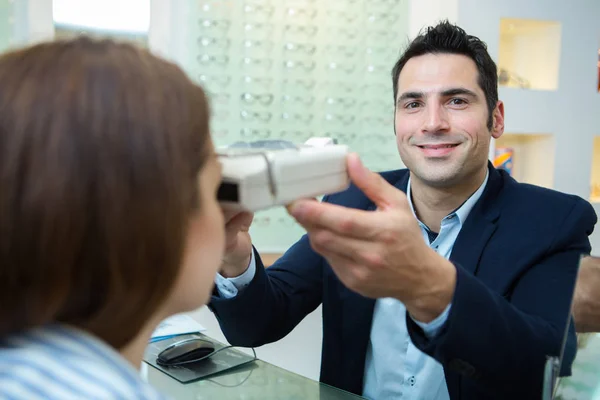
point(394, 367)
point(59, 362)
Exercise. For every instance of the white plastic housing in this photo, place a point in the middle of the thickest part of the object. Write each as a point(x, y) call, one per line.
point(303, 172)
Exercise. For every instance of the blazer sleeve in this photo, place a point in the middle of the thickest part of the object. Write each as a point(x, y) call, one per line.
point(501, 342)
point(276, 299)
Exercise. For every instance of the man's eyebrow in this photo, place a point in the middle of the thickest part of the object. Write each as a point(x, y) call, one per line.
point(410, 95)
point(458, 91)
point(444, 93)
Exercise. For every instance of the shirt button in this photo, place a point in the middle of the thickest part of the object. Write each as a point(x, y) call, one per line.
point(412, 381)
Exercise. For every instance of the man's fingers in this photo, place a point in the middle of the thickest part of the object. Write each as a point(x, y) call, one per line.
point(373, 185)
point(342, 220)
point(360, 252)
point(348, 272)
point(291, 205)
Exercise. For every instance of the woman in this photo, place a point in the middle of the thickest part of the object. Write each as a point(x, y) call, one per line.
point(108, 215)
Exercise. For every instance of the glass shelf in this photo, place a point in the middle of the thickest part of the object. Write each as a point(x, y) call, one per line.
point(529, 54)
point(529, 158)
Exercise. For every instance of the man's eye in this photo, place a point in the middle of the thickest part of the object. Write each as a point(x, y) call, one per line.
point(412, 104)
point(458, 102)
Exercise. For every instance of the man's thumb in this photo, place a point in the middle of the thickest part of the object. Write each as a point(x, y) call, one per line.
point(373, 185)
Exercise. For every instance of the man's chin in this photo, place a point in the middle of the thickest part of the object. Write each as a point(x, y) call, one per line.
point(443, 182)
point(440, 176)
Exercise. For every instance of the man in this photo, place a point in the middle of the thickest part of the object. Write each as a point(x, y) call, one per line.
point(446, 280)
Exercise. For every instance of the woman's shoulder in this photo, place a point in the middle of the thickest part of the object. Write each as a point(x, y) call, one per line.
point(58, 362)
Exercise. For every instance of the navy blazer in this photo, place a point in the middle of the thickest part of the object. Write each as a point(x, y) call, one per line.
point(516, 257)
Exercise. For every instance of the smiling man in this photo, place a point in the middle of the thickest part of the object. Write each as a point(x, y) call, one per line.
point(445, 280)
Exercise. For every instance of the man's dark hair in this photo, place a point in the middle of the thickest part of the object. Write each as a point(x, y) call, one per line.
point(446, 38)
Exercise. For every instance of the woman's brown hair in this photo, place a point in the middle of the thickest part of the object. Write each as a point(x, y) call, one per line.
point(101, 144)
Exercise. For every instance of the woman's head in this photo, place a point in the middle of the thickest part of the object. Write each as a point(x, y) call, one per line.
point(108, 180)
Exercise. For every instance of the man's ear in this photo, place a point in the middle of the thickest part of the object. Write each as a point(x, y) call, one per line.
point(498, 120)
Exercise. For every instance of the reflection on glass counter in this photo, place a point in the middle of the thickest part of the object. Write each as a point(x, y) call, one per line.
point(256, 380)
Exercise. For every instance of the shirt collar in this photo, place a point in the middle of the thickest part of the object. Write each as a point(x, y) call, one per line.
point(461, 212)
point(90, 346)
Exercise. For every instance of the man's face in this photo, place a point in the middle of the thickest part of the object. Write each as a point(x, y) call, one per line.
point(441, 120)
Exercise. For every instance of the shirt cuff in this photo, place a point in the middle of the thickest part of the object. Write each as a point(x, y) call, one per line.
point(230, 287)
point(431, 329)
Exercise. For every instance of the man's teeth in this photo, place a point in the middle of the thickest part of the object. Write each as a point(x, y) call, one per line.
point(439, 146)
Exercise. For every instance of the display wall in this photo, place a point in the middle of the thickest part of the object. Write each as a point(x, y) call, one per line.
point(292, 70)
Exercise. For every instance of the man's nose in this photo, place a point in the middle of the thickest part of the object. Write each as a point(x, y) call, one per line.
point(436, 120)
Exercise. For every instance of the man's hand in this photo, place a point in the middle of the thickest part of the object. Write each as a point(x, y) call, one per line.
point(238, 244)
point(379, 253)
point(586, 301)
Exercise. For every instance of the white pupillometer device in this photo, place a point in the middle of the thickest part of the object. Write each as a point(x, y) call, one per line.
point(269, 173)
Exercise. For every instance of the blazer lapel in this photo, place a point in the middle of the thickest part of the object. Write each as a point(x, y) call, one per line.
point(479, 226)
